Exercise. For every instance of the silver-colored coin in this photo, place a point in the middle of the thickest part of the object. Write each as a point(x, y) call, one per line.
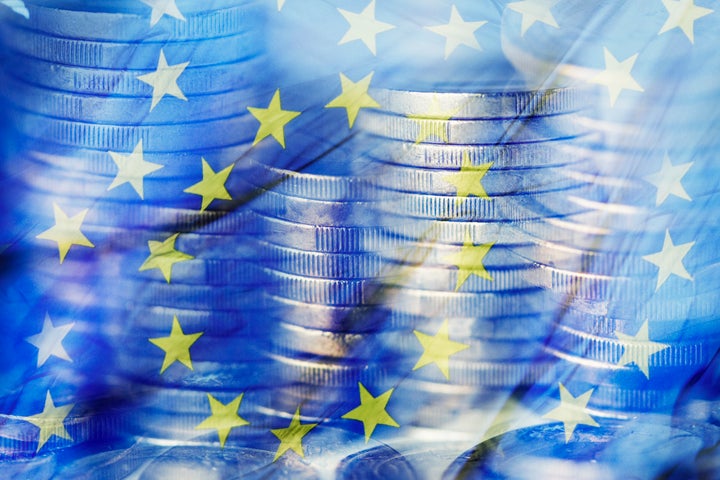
point(125, 55)
point(471, 132)
point(132, 24)
point(493, 103)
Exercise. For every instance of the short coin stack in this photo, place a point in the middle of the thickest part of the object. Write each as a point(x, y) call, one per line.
point(319, 245)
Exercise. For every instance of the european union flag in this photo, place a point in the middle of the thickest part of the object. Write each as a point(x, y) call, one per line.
point(360, 239)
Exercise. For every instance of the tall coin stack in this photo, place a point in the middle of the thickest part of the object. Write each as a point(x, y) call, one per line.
point(635, 276)
point(126, 116)
point(459, 175)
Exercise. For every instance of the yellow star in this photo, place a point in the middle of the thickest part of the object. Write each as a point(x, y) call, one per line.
point(132, 169)
point(176, 346)
point(163, 7)
point(291, 437)
point(572, 411)
point(51, 421)
point(469, 261)
point(212, 186)
point(534, 11)
point(438, 349)
point(66, 231)
point(364, 26)
point(354, 96)
point(164, 80)
point(224, 417)
point(272, 120)
point(638, 349)
point(458, 32)
point(371, 411)
point(616, 76)
point(682, 14)
point(670, 260)
point(434, 122)
point(163, 256)
point(668, 180)
point(468, 180)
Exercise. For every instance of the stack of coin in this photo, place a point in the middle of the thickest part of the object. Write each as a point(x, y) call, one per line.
point(633, 276)
point(458, 174)
point(319, 244)
point(647, 445)
point(125, 117)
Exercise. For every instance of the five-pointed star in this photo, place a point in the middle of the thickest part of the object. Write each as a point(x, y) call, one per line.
point(438, 349)
point(164, 80)
point(667, 180)
point(616, 76)
point(669, 260)
point(176, 346)
point(163, 7)
point(433, 122)
point(638, 349)
point(17, 6)
point(66, 231)
point(458, 32)
point(363, 26)
point(49, 341)
point(280, 4)
point(682, 14)
point(212, 186)
point(132, 169)
point(291, 437)
point(163, 256)
point(371, 411)
point(272, 120)
point(534, 11)
point(572, 411)
point(468, 180)
point(51, 421)
point(469, 261)
point(354, 96)
point(224, 417)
